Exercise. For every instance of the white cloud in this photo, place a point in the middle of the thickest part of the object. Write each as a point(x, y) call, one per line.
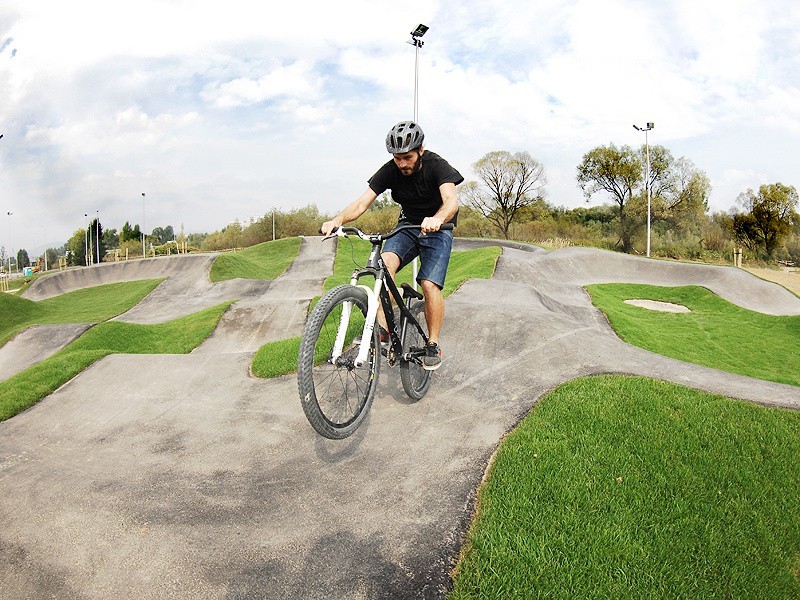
point(236, 108)
point(294, 80)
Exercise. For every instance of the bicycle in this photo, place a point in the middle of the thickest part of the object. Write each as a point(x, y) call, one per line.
point(337, 372)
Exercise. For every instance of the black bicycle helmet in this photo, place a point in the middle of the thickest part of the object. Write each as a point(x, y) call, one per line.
point(404, 137)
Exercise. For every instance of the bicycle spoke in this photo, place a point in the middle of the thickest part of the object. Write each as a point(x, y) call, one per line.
point(335, 393)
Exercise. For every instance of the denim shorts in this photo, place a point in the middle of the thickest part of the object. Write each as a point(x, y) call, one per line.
point(432, 248)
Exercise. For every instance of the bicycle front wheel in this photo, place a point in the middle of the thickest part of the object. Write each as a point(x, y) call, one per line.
point(414, 378)
point(336, 393)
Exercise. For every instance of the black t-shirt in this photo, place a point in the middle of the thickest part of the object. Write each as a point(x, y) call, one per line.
point(417, 194)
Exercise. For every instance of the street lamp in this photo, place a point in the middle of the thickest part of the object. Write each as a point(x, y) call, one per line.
point(416, 41)
point(86, 238)
point(9, 237)
point(143, 252)
point(647, 128)
point(45, 247)
point(97, 234)
point(9, 243)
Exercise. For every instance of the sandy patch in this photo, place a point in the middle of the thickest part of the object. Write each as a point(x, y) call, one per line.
point(787, 277)
point(660, 306)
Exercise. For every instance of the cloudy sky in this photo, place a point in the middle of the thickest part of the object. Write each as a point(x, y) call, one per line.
point(224, 110)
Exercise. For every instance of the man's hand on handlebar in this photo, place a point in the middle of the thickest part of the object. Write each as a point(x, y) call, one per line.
point(328, 226)
point(431, 224)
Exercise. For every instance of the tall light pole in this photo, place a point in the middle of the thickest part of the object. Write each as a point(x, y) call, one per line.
point(647, 128)
point(9, 238)
point(9, 243)
point(45, 247)
point(86, 238)
point(97, 234)
point(143, 251)
point(416, 41)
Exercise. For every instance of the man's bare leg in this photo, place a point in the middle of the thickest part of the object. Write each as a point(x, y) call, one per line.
point(434, 300)
point(434, 309)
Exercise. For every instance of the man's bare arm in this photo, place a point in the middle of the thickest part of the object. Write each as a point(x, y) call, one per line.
point(351, 212)
point(446, 212)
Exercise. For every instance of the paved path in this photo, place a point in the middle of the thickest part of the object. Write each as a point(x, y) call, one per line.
point(34, 344)
point(183, 477)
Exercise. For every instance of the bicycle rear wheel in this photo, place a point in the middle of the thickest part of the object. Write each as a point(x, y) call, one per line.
point(414, 378)
point(336, 394)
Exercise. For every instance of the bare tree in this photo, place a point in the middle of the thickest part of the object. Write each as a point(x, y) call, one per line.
point(508, 183)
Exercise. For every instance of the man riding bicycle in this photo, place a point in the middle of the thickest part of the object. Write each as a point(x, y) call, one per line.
point(424, 184)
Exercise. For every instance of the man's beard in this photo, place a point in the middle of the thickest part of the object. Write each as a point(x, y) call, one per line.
point(408, 171)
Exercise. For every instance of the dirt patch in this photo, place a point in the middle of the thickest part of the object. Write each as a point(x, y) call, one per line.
point(660, 306)
point(787, 277)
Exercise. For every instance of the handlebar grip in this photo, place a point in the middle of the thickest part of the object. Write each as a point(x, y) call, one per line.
point(447, 226)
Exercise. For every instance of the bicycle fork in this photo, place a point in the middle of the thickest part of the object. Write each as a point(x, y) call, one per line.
point(373, 302)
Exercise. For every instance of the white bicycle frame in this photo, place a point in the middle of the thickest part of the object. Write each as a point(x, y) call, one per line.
point(373, 303)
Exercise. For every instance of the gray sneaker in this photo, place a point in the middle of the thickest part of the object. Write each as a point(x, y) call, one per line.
point(433, 357)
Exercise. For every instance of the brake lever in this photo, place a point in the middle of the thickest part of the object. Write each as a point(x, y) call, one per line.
point(337, 232)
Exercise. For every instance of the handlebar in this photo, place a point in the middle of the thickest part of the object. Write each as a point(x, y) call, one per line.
point(378, 237)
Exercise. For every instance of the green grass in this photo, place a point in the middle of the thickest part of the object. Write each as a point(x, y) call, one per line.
point(175, 337)
point(276, 358)
point(620, 487)
point(262, 261)
point(716, 333)
point(280, 358)
point(89, 305)
point(472, 264)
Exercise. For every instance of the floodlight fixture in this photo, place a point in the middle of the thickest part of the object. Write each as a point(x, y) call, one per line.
point(417, 34)
point(420, 30)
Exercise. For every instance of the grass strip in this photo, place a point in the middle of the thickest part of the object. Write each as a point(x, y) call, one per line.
point(179, 336)
point(89, 305)
point(715, 334)
point(276, 358)
point(263, 261)
point(280, 358)
point(622, 487)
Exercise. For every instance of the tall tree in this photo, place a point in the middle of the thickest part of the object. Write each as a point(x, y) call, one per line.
point(617, 172)
point(76, 248)
point(681, 195)
point(52, 258)
point(127, 233)
point(770, 216)
point(23, 260)
point(163, 234)
point(508, 184)
point(111, 239)
point(97, 244)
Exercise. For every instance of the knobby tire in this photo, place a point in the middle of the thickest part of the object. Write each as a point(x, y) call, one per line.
point(416, 380)
point(336, 397)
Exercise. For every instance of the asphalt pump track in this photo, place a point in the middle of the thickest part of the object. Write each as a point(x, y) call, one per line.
point(181, 476)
